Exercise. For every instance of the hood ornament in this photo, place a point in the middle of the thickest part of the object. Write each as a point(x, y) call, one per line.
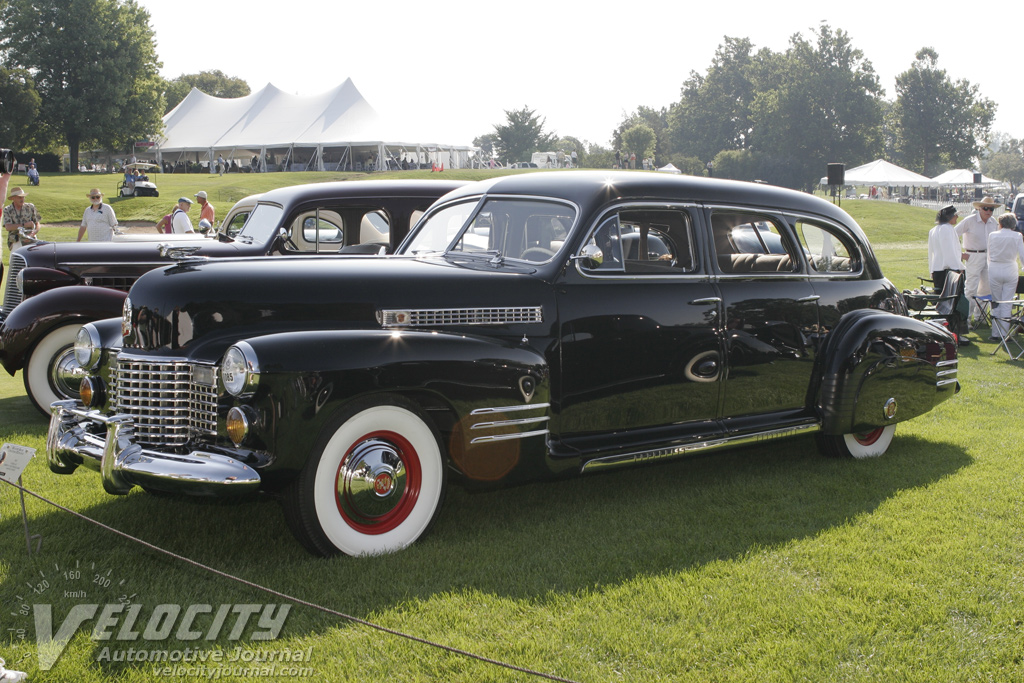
point(179, 253)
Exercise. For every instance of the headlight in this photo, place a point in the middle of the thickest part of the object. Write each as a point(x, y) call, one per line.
point(240, 370)
point(87, 347)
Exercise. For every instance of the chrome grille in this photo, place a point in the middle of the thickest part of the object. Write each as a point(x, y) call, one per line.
point(166, 401)
point(111, 281)
point(12, 297)
point(433, 317)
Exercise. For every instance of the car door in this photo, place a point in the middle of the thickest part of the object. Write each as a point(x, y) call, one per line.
point(770, 318)
point(640, 355)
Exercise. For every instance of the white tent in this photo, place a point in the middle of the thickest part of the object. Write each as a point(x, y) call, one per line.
point(881, 172)
point(272, 130)
point(669, 168)
point(963, 176)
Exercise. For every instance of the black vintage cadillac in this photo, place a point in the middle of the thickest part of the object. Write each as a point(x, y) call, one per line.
point(53, 288)
point(531, 326)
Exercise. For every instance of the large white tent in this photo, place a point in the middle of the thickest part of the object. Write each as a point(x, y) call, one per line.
point(963, 176)
point(273, 130)
point(881, 172)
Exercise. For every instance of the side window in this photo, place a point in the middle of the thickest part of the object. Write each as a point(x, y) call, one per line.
point(375, 227)
point(751, 243)
point(234, 226)
point(827, 249)
point(642, 241)
point(320, 230)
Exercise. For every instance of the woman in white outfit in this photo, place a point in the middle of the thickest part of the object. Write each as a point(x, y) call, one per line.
point(1005, 251)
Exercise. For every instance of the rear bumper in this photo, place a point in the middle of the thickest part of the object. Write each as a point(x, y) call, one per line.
point(78, 436)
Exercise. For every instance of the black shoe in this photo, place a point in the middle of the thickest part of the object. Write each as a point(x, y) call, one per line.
point(964, 341)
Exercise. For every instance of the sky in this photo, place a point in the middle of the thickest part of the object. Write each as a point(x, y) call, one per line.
point(449, 69)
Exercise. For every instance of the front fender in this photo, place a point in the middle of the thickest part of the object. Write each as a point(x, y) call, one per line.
point(35, 317)
point(879, 368)
point(489, 398)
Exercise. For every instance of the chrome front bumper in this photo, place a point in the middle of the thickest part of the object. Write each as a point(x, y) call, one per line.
point(124, 463)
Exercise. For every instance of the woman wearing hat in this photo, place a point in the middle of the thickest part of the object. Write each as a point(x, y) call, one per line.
point(19, 214)
point(975, 229)
point(944, 247)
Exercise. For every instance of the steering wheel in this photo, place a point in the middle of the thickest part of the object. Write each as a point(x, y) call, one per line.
point(533, 253)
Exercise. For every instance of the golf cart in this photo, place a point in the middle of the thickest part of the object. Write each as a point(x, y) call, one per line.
point(136, 182)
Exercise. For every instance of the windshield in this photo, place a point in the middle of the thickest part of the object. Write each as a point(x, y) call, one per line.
point(262, 223)
point(524, 229)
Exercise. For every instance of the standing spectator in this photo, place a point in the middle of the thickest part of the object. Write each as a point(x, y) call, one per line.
point(180, 223)
point(206, 209)
point(632, 159)
point(618, 159)
point(944, 247)
point(573, 158)
point(220, 164)
point(975, 229)
point(19, 214)
point(1005, 251)
point(98, 220)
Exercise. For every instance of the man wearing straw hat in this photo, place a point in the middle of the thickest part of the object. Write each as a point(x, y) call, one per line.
point(19, 214)
point(98, 220)
point(974, 230)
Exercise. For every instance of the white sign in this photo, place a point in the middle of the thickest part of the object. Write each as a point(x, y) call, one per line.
point(13, 459)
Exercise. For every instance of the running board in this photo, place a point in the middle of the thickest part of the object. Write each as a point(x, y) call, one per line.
point(625, 459)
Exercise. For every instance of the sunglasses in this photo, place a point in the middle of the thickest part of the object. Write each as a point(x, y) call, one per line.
point(987, 208)
point(95, 196)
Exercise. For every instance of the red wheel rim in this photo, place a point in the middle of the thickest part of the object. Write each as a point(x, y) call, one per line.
point(378, 482)
point(868, 438)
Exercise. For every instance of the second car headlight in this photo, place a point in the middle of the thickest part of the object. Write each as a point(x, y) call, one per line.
point(87, 347)
point(240, 370)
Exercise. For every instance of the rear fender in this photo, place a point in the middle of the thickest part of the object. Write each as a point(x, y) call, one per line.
point(879, 369)
point(37, 316)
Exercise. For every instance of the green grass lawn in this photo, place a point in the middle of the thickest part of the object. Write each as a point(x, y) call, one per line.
point(768, 563)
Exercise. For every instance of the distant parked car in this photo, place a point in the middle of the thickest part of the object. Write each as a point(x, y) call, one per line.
point(230, 226)
point(53, 288)
point(524, 164)
point(534, 326)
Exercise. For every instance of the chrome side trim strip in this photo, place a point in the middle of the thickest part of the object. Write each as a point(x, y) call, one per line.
point(944, 363)
point(508, 409)
point(945, 382)
point(946, 372)
point(433, 317)
point(506, 437)
point(503, 423)
point(696, 447)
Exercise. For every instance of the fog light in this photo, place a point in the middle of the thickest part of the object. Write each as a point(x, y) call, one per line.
point(237, 425)
point(90, 391)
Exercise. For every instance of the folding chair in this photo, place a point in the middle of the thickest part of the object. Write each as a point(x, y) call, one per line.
point(1013, 325)
point(984, 304)
point(949, 304)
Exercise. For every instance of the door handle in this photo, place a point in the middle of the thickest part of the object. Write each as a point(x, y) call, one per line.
point(708, 301)
point(808, 299)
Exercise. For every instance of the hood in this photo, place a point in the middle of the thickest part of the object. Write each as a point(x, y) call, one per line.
point(200, 308)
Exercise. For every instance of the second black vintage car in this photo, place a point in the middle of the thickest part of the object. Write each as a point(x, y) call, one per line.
point(532, 326)
point(53, 288)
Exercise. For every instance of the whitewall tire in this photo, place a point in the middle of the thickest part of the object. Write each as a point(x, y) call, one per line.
point(52, 373)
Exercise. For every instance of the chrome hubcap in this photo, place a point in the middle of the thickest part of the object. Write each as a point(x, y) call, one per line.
point(371, 482)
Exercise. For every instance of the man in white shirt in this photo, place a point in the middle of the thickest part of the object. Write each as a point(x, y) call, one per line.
point(943, 247)
point(975, 229)
point(180, 222)
point(98, 220)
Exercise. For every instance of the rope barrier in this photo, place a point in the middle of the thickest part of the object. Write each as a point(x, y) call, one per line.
point(291, 598)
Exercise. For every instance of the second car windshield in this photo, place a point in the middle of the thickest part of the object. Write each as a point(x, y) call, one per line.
point(523, 229)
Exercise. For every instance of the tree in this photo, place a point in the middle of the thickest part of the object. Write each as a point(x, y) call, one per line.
point(486, 143)
point(215, 83)
point(713, 113)
point(824, 105)
point(640, 140)
point(1007, 163)
point(938, 122)
point(522, 134)
point(19, 106)
point(656, 120)
point(94, 64)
